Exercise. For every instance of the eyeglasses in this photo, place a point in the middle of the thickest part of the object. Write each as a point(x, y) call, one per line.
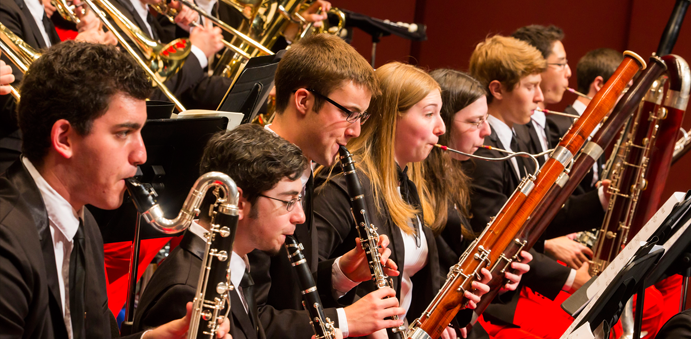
point(561, 65)
point(289, 203)
point(350, 115)
point(477, 124)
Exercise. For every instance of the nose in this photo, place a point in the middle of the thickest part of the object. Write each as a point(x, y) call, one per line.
point(138, 153)
point(539, 97)
point(439, 127)
point(485, 130)
point(568, 71)
point(297, 216)
point(353, 130)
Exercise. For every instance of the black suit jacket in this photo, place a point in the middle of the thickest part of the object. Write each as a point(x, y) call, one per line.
point(17, 18)
point(677, 327)
point(30, 304)
point(175, 283)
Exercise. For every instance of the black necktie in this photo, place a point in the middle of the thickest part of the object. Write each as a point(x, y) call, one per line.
point(76, 288)
point(519, 160)
point(247, 285)
point(150, 21)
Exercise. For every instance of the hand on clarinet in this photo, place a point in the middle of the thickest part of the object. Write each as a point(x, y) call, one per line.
point(355, 266)
point(371, 313)
point(6, 78)
point(178, 328)
point(521, 269)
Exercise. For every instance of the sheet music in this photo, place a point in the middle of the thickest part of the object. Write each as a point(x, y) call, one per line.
point(622, 259)
point(234, 119)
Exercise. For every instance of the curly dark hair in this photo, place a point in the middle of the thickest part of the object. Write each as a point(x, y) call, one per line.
point(256, 159)
point(540, 37)
point(73, 81)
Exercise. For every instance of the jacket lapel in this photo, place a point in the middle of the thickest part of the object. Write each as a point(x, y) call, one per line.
point(241, 316)
point(32, 23)
point(29, 191)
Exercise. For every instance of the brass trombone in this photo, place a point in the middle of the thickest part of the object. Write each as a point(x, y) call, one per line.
point(175, 54)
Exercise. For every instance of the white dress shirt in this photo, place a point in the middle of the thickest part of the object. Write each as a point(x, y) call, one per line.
point(64, 222)
point(37, 12)
point(415, 260)
point(142, 10)
point(539, 121)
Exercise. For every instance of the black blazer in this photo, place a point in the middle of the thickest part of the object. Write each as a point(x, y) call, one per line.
point(30, 304)
point(677, 327)
point(175, 283)
point(337, 234)
point(558, 126)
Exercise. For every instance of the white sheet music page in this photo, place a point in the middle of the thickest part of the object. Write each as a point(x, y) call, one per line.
point(623, 258)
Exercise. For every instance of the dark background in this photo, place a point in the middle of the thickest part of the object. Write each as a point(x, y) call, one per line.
point(454, 27)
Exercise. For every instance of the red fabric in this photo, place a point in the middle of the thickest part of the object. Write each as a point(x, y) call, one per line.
point(117, 264)
point(66, 34)
point(670, 289)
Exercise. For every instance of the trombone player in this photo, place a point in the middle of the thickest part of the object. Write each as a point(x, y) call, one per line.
point(27, 20)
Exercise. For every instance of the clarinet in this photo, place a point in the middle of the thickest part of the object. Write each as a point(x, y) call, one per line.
point(369, 238)
point(211, 303)
point(323, 327)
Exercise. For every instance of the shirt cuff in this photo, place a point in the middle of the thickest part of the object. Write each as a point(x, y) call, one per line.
point(342, 321)
point(569, 281)
point(203, 61)
point(341, 283)
point(601, 195)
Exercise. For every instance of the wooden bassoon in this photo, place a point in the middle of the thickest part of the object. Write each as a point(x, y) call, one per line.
point(541, 218)
point(486, 250)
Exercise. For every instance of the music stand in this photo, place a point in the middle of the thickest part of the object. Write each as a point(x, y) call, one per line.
point(609, 305)
point(174, 148)
point(252, 87)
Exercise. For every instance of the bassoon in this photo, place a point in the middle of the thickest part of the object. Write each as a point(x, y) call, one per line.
point(487, 249)
point(541, 218)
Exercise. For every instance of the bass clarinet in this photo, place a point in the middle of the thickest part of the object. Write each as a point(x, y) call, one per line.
point(369, 238)
point(323, 326)
point(211, 303)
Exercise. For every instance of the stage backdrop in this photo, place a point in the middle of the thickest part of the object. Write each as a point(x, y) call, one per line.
point(455, 27)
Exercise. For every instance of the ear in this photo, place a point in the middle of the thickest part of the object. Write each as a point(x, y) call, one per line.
point(62, 138)
point(496, 90)
point(596, 85)
point(244, 206)
point(303, 101)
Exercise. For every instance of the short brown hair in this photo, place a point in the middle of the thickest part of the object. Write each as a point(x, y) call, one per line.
point(600, 62)
point(321, 62)
point(506, 60)
point(255, 158)
point(540, 37)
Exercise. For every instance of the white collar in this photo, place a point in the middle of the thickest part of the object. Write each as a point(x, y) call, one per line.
point(539, 118)
point(60, 212)
point(579, 107)
point(503, 131)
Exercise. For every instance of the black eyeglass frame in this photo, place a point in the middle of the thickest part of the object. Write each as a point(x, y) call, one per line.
point(289, 203)
point(350, 115)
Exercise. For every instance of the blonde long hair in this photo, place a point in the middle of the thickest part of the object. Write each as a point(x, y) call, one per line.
point(402, 87)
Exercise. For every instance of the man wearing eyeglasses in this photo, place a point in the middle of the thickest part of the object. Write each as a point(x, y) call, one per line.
point(323, 90)
point(267, 171)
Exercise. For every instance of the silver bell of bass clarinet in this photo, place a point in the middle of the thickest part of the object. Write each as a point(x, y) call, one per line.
point(369, 238)
point(211, 303)
point(323, 326)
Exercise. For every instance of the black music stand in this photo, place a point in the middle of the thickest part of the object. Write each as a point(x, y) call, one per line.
point(174, 148)
point(608, 307)
point(252, 87)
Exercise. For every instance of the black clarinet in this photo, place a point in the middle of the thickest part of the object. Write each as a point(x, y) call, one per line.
point(369, 238)
point(323, 327)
